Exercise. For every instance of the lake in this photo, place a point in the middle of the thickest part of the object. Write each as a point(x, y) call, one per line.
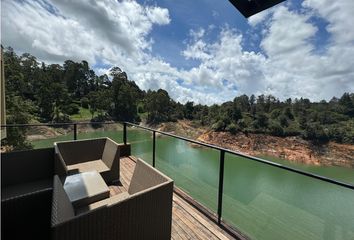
point(261, 201)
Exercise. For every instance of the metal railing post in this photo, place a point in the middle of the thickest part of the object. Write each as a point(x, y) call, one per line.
point(75, 131)
point(255, 159)
point(221, 184)
point(153, 147)
point(125, 133)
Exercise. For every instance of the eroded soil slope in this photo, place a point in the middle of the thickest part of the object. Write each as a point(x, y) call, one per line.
point(290, 148)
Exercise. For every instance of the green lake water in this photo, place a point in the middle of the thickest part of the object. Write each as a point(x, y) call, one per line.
point(261, 201)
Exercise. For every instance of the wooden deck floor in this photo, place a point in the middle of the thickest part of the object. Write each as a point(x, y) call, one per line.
point(187, 221)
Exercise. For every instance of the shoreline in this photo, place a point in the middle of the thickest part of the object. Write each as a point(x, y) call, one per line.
point(292, 149)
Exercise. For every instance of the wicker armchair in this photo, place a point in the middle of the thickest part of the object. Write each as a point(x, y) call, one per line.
point(143, 212)
point(101, 154)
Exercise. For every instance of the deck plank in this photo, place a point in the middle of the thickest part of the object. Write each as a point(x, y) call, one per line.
point(187, 221)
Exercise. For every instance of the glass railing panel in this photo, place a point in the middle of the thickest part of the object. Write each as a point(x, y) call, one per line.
point(16, 140)
point(193, 168)
point(265, 202)
point(339, 173)
point(141, 143)
point(35, 137)
point(113, 131)
point(50, 134)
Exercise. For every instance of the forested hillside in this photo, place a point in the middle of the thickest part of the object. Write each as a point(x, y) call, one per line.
point(54, 93)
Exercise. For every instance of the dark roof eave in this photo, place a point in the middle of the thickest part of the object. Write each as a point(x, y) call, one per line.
point(251, 7)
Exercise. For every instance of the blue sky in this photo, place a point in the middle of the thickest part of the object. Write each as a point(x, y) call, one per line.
point(201, 50)
point(187, 15)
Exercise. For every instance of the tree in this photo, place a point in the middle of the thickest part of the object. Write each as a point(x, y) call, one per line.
point(347, 104)
point(53, 92)
point(287, 112)
point(275, 129)
point(316, 133)
point(79, 78)
point(283, 120)
point(99, 101)
point(218, 126)
point(158, 106)
point(270, 103)
point(84, 102)
point(189, 110)
point(253, 108)
point(261, 103)
point(232, 128)
point(302, 116)
point(236, 113)
point(242, 102)
point(288, 101)
point(213, 113)
point(124, 97)
point(15, 80)
point(261, 121)
point(52, 95)
point(200, 113)
point(275, 113)
point(178, 111)
point(18, 111)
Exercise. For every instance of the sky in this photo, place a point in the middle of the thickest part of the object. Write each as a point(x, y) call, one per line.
point(203, 51)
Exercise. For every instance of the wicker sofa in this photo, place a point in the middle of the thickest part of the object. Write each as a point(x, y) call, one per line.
point(143, 212)
point(26, 194)
point(100, 154)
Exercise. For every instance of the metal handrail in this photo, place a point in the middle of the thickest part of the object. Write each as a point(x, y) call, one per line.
point(55, 124)
point(221, 158)
point(278, 165)
point(222, 161)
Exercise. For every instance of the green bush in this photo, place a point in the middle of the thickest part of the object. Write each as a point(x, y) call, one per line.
point(288, 113)
point(141, 109)
point(218, 126)
point(316, 132)
point(261, 121)
point(292, 130)
point(242, 124)
point(275, 129)
point(62, 118)
point(275, 113)
point(85, 102)
point(232, 128)
point(283, 120)
point(341, 133)
point(71, 109)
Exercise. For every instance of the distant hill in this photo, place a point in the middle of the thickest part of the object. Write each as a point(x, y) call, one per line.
point(62, 93)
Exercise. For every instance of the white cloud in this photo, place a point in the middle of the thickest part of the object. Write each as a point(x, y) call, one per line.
point(111, 32)
point(294, 67)
point(102, 71)
point(118, 33)
point(158, 15)
point(339, 15)
point(290, 65)
point(284, 40)
point(108, 29)
point(259, 17)
point(225, 69)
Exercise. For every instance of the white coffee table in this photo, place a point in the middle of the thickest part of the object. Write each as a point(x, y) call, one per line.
point(85, 188)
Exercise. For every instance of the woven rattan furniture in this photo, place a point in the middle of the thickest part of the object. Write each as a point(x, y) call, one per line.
point(26, 194)
point(85, 188)
point(101, 155)
point(143, 212)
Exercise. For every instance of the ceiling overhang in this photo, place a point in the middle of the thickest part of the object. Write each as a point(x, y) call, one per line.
point(251, 7)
